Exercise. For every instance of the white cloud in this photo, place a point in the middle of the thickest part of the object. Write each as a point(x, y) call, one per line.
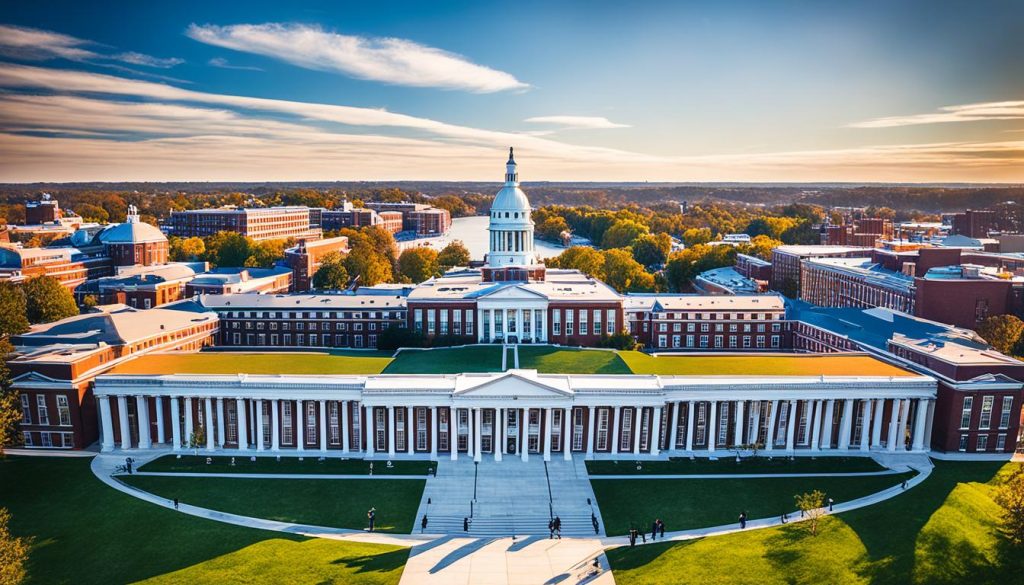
point(1012, 110)
point(148, 60)
point(31, 43)
point(223, 64)
point(577, 122)
point(390, 60)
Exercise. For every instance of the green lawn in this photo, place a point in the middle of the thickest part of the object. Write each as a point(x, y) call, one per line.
point(229, 362)
point(309, 465)
point(726, 465)
point(760, 365)
point(941, 532)
point(697, 503)
point(476, 358)
point(551, 360)
point(337, 503)
point(86, 532)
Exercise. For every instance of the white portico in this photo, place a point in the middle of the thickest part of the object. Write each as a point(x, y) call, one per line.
point(513, 312)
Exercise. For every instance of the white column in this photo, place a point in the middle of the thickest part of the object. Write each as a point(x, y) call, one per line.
point(816, 427)
point(371, 431)
point(161, 433)
point(637, 420)
point(544, 325)
point(275, 426)
point(740, 420)
point(712, 434)
point(865, 426)
point(791, 425)
point(433, 434)
point(894, 421)
point(391, 432)
point(243, 428)
point(208, 418)
point(498, 434)
point(453, 432)
point(175, 423)
point(755, 414)
point(691, 422)
point(876, 423)
point(524, 434)
point(904, 419)
point(519, 324)
point(616, 420)
point(547, 434)
point(846, 424)
point(591, 430)
point(142, 408)
point(655, 435)
point(344, 426)
point(300, 419)
point(826, 438)
point(220, 422)
point(470, 439)
point(490, 324)
point(107, 421)
point(259, 425)
point(188, 420)
point(673, 430)
point(769, 437)
point(122, 416)
point(479, 325)
point(323, 426)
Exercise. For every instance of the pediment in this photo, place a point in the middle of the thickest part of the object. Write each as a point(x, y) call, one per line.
point(513, 292)
point(516, 385)
point(35, 378)
point(992, 379)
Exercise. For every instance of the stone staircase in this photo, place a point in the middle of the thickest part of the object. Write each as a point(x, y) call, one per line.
point(512, 497)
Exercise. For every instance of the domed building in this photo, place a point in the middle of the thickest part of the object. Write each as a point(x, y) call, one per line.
point(135, 242)
point(511, 256)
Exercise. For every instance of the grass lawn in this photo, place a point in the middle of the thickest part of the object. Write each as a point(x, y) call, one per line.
point(475, 358)
point(698, 503)
point(727, 465)
point(760, 365)
point(338, 503)
point(229, 362)
point(941, 532)
point(551, 360)
point(309, 465)
point(87, 533)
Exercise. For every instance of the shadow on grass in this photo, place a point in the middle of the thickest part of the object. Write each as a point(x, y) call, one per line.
point(625, 558)
point(380, 563)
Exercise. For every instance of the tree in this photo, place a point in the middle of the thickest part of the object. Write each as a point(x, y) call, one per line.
point(454, 254)
point(13, 311)
point(1010, 497)
point(418, 264)
point(197, 440)
point(625, 274)
point(13, 552)
point(395, 337)
point(583, 258)
point(369, 265)
point(695, 236)
point(331, 275)
point(264, 254)
point(652, 249)
point(812, 506)
point(622, 233)
point(47, 300)
point(88, 302)
point(186, 249)
point(552, 227)
point(227, 249)
point(1002, 332)
point(10, 404)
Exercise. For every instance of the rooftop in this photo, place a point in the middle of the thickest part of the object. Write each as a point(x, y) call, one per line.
point(868, 270)
point(306, 302)
point(284, 363)
point(689, 302)
point(558, 284)
point(810, 251)
point(727, 278)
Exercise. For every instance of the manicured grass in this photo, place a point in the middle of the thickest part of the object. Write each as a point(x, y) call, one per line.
point(223, 362)
point(87, 533)
point(552, 360)
point(476, 358)
point(337, 503)
point(941, 532)
point(309, 465)
point(699, 503)
point(727, 465)
point(760, 365)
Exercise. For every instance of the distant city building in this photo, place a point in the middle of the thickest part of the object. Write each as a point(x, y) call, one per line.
point(258, 223)
point(727, 281)
point(754, 268)
point(142, 287)
point(241, 281)
point(46, 210)
point(304, 259)
point(708, 322)
point(70, 266)
point(135, 242)
point(867, 231)
point(348, 217)
point(787, 262)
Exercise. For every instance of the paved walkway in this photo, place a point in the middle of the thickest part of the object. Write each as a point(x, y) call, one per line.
point(273, 475)
point(747, 475)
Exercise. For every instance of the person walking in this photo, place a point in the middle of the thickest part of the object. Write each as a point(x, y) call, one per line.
point(632, 537)
point(743, 519)
point(661, 528)
point(175, 503)
point(830, 502)
point(465, 524)
point(423, 523)
point(551, 529)
point(654, 531)
point(371, 515)
point(784, 518)
point(128, 464)
point(558, 527)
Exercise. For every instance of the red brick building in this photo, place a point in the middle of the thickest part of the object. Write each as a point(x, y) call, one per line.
point(305, 258)
point(260, 223)
point(787, 263)
point(142, 287)
point(227, 281)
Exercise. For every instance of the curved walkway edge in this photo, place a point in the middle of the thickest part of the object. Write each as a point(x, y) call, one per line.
point(747, 475)
point(881, 496)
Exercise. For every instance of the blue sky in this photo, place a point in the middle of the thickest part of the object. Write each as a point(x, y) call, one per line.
point(694, 91)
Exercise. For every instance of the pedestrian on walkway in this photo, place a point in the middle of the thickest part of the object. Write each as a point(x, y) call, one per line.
point(904, 484)
point(465, 524)
point(643, 536)
point(423, 523)
point(551, 529)
point(128, 464)
point(743, 519)
point(661, 528)
point(830, 502)
point(654, 531)
point(371, 516)
point(558, 527)
point(175, 503)
point(785, 518)
point(632, 537)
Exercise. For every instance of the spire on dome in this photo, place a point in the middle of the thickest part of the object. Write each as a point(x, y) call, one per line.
point(511, 175)
point(133, 214)
point(511, 159)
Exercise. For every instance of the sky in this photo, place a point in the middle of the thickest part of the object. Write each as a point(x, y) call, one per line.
point(779, 91)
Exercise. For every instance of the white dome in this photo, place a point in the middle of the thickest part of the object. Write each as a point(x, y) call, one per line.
point(511, 198)
point(131, 233)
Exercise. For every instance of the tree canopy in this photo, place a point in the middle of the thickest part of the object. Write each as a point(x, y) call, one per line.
point(13, 309)
point(454, 254)
point(1002, 332)
point(331, 275)
point(418, 264)
point(46, 300)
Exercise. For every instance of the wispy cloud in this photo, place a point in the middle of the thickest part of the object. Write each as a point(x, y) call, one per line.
point(389, 60)
point(1012, 110)
point(224, 64)
point(574, 122)
point(36, 44)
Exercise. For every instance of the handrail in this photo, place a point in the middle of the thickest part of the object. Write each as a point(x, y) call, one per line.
point(551, 507)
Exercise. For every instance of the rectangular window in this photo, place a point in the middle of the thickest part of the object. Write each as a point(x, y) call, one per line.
point(780, 432)
point(703, 340)
point(569, 313)
point(702, 423)
point(421, 426)
point(610, 322)
point(982, 443)
point(963, 443)
point(965, 412)
point(556, 430)
point(597, 322)
point(400, 429)
point(442, 429)
point(334, 433)
point(380, 436)
point(1004, 413)
point(469, 322)
point(418, 320)
point(63, 411)
point(775, 341)
point(626, 429)
point(1001, 443)
point(265, 407)
point(287, 433)
point(583, 321)
point(577, 429)
point(645, 428)
point(357, 433)
point(985, 421)
point(26, 410)
point(723, 425)
point(43, 415)
point(689, 341)
point(602, 429)
point(462, 417)
point(310, 422)
point(801, 431)
point(232, 430)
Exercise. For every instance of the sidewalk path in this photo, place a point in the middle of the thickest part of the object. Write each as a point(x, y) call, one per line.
point(275, 475)
point(748, 475)
point(794, 516)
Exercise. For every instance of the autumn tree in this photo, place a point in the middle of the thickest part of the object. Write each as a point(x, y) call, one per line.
point(265, 253)
point(13, 309)
point(186, 249)
point(13, 552)
point(418, 264)
point(227, 249)
point(1010, 497)
point(652, 249)
point(551, 228)
point(695, 236)
point(366, 259)
point(625, 274)
point(454, 254)
point(10, 404)
point(623, 233)
point(583, 258)
point(331, 275)
point(1002, 332)
point(812, 507)
point(47, 300)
